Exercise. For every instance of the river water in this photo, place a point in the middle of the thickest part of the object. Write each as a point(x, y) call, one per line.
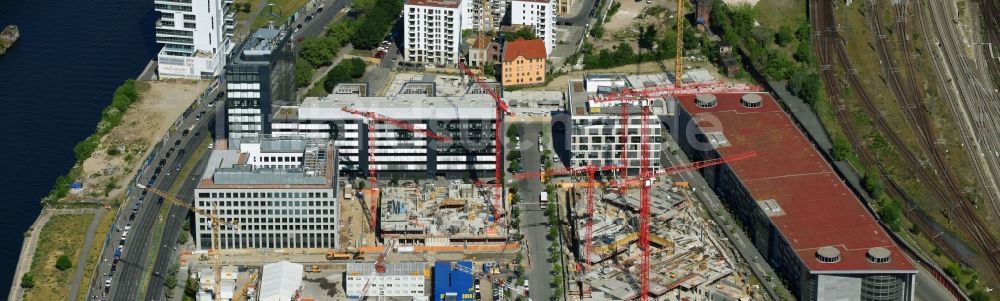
point(53, 84)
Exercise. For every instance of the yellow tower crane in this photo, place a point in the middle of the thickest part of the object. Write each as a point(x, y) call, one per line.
point(679, 57)
point(216, 225)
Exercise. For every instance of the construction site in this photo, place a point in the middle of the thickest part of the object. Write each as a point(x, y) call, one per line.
point(689, 257)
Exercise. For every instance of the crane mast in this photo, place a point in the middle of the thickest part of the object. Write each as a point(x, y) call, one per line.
point(216, 228)
point(501, 110)
point(373, 119)
point(679, 57)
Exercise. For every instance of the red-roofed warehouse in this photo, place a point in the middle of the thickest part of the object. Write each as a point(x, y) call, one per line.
point(799, 213)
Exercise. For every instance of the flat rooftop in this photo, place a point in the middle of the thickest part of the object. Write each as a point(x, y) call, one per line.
point(229, 169)
point(818, 210)
point(435, 3)
point(402, 106)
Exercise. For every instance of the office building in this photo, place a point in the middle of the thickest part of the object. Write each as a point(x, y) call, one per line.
point(468, 120)
point(432, 31)
point(398, 279)
point(275, 193)
point(806, 222)
point(540, 15)
point(261, 73)
point(195, 35)
point(523, 63)
point(595, 130)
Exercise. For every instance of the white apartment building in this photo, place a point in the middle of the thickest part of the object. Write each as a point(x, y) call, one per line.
point(595, 133)
point(432, 31)
point(195, 35)
point(472, 13)
point(276, 193)
point(468, 120)
point(399, 279)
point(540, 15)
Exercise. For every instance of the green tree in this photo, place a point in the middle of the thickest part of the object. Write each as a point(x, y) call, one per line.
point(522, 33)
point(803, 53)
point(979, 295)
point(891, 213)
point(784, 35)
point(316, 51)
point(871, 183)
point(841, 149)
point(647, 36)
point(63, 263)
point(28, 281)
point(777, 66)
point(303, 72)
point(805, 84)
point(357, 67)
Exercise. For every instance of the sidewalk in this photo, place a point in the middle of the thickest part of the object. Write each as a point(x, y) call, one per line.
point(321, 72)
point(81, 263)
point(27, 252)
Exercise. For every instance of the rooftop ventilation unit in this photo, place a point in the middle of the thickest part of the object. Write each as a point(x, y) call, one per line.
point(751, 101)
point(705, 100)
point(828, 254)
point(878, 255)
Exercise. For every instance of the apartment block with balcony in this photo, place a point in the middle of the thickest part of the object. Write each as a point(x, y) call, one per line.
point(595, 135)
point(472, 13)
point(540, 15)
point(195, 35)
point(432, 31)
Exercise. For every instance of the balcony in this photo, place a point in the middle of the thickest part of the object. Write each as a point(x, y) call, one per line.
point(171, 8)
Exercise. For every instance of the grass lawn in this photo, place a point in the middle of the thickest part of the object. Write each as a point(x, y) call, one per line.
point(317, 90)
point(282, 9)
point(95, 250)
point(775, 13)
point(62, 235)
point(174, 189)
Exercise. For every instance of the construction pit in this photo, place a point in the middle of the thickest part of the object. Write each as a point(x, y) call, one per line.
point(688, 259)
point(440, 217)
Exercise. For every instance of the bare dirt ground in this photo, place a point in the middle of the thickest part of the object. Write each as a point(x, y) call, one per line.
point(559, 83)
point(106, 173)
point(630, 10)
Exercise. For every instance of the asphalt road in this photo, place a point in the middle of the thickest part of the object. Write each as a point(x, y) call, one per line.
point(928, 288)
point(177, 216)
point(132, 265)
point(534, 224)
point(582, 16)
point(317, 26)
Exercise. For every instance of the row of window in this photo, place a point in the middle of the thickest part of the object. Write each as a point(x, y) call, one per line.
point(269, 240)
point(265, 195)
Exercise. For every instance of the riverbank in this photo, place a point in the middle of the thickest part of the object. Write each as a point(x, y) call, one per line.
point(104, 173)
point(9, 35)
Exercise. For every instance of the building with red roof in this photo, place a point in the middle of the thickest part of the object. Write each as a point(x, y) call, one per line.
point(805, 221)
point(523, 63)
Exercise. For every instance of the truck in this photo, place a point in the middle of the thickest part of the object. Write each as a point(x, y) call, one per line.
point(334, 254)
point(543, 199)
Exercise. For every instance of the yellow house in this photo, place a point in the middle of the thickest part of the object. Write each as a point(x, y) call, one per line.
point(523, 63)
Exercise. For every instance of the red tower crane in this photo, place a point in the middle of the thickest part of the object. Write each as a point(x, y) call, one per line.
point(375, 118)
point(501, 110)
point(591, 171)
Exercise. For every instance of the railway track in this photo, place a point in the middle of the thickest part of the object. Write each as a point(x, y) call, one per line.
point(968, 221)
point(981, 134)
